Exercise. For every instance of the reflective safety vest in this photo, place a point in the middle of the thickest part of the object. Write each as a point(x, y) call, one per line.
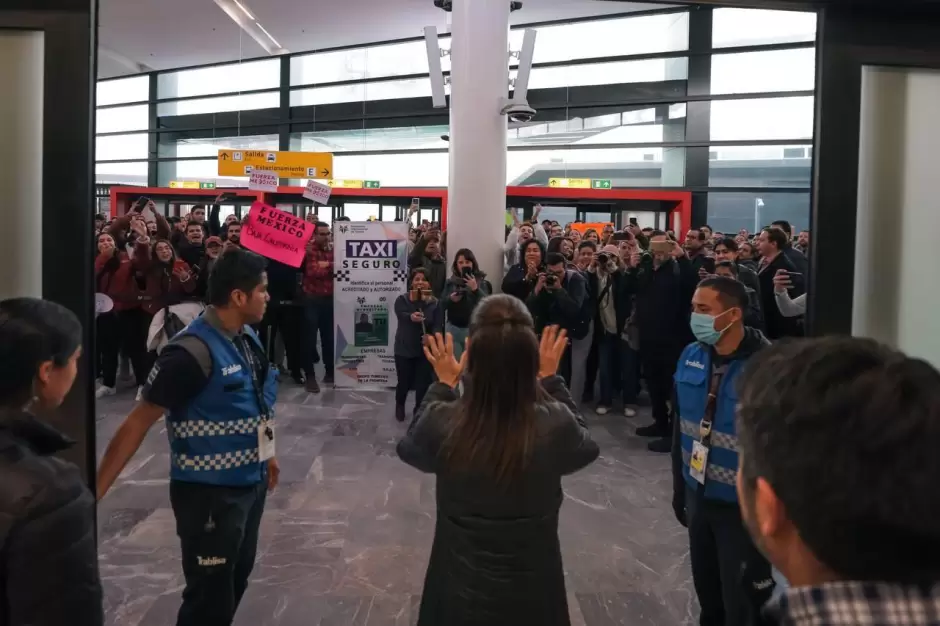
point(214, 440)
point(693, 378)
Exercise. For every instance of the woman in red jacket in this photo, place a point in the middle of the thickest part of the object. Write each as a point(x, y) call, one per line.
point(114, 277)
point(167, 281)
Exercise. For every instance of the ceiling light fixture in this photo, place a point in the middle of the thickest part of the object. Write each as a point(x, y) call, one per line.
point(244, 10)
point(241, 15)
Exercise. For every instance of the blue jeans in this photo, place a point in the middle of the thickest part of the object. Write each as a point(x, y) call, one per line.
point(617, 361)
point(318, 314)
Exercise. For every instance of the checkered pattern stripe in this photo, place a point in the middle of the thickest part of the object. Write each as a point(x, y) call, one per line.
point(341, 276)
point(216, 462)
point(714, 472)
point(718, 440)
point(401, 274)
point(205, 428)
point(846, 603)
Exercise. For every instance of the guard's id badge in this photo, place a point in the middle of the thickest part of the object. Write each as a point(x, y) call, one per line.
point(698, 462)
point(265, 441)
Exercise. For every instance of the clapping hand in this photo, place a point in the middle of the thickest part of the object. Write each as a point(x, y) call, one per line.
point(551, 349)
point(440, 354)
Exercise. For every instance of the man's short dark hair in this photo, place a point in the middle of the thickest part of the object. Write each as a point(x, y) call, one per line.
point(100, 217)
point(236, 269)
point(699, 234)
point(193, 225)
point(319, 225)
point(710, 229)
point(657, 233)
point(777, 236)
point(731, 293)
point(342, 218)
point(554, 258)
point(845, 431)
point(646, 230)
point(587, 244)
point(729, 265)
point(784, 225)
point(729, 243)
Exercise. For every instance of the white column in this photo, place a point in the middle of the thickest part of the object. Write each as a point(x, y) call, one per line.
point(21, 74)
point(479, 82)
point(897, 291)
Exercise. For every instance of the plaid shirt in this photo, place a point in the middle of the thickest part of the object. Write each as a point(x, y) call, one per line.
point(856, 604)
point(318, 281)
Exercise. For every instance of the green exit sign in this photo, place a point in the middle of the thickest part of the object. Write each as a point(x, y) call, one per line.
point(600, 184)
point(371, 184)
point(207, 185)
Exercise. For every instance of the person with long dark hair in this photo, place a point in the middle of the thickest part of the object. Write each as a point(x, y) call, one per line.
point(499, 452)
point(462, 293)
point(418, 313)
point(50, 556)
point(522, 277)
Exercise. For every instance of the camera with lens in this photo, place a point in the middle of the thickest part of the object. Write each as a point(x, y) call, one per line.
point(603, 258)
point(551, 280)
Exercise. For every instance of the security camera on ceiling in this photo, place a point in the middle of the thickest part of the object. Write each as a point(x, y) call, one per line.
point(448, 5)
point(517, 108)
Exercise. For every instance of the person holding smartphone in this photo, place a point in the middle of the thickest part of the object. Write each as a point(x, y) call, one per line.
point(789, 307)
point(462, 293)
point(419, 313)
point(772, 243)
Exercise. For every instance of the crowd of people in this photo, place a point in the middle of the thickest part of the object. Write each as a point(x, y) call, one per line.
point(803, 504)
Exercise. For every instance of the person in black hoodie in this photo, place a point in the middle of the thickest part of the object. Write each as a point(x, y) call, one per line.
point(521, 278)
point(419, 313)
point(50, 555)
point(285, 315)
point(462, 292)
point(663, 284)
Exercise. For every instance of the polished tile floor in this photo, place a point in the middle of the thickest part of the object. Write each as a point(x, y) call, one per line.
point(346, 536)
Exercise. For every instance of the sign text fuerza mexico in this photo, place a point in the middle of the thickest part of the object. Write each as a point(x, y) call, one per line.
point(285, 164)
point(369, 254)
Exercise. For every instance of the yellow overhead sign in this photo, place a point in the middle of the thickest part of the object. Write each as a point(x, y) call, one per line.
point(190, 184)
point(346, 184)
point(285, 164)
point(571, 183)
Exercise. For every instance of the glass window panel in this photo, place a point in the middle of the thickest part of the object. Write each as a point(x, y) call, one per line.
point(220, 104)
point(202, 170)
point(264, 74)
point(121, 173)
point(751, 27)
point(371, 139)
point(118, 91)
point(607, 38)
point(624, 167)
point(121, 118)
point(396, 59)
point(114, 147)
point(560, 214)
point(360, 212)
point(593, 217)
point(729, 212)
point(773, 70)
point(648, 125)
point(759, 166)
point(762, 118)
point(361, 92)
point(619, 72)
point(210, 146)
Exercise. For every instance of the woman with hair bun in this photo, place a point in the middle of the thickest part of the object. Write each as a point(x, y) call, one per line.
point(50, 557)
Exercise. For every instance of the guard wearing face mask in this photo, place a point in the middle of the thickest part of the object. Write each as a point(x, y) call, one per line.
point(732, 579)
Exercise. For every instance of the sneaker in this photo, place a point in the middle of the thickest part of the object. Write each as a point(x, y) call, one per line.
point(601, 410)
point(140, 393)
point(662, 445)
point(312, 386)
point(299, 378)
point(103, 391)
point(653, 430)
point(629, 411)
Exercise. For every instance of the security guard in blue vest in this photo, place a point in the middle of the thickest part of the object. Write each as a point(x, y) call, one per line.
point(218, 391)
point(732, 579)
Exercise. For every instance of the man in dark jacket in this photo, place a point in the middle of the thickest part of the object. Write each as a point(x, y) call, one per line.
point(558, 298)
point(663, 283)
point(285, 316)
point(731, 577)
point(797, 258)
point(772, 243)
point(727, 250)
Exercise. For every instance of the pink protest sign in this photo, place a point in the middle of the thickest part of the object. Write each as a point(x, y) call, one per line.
point(276, 234)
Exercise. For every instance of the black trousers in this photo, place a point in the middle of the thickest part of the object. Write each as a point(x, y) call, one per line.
point(659, 369)
point(127, 331)
point(107, 346)
point(288, 321)
point(413, 373)
point(318, 311)
point(218, 531)
point(732, 578)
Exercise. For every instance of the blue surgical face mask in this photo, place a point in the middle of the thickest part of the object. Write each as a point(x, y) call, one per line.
point(703, 327)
